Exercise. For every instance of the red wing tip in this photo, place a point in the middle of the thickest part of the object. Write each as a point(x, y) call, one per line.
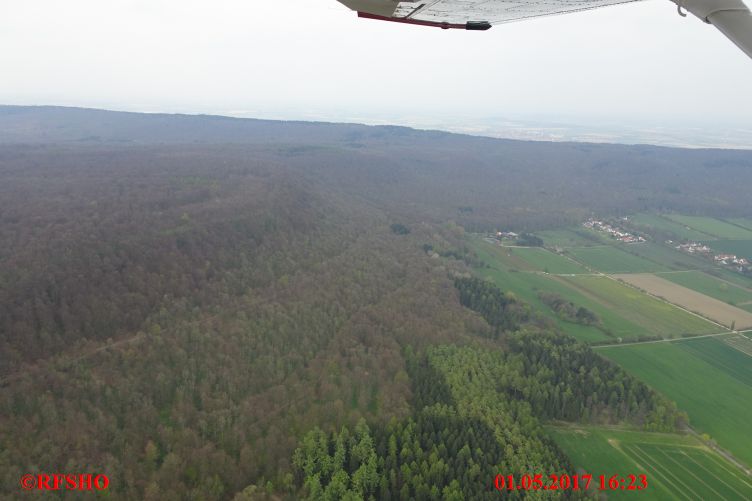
point(470, 25)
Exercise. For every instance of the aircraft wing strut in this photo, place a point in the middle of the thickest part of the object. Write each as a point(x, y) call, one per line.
point(731, 17)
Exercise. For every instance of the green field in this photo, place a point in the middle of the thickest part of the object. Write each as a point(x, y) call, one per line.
point(713, 227)
point(741, 248)
point(744, 222)
point(526, 286)
point(624, 312)
point(609, 259)
point(654, 316)
point(707, 378)
point(677, 466)
point(669, 257)
point(571, 237)
point(493, 252)
point(550, 262)
point(731, 276)
point(680, 231)
point(710, 286)
point(742, 343)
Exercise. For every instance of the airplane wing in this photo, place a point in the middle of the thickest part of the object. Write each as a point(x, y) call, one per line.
point(731, 17)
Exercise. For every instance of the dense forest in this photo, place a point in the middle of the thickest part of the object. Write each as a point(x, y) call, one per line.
point(477, 413)
point(208, 308)
point(503, 313)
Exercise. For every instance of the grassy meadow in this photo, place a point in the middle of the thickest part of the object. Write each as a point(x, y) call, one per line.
point(710, 378)
point(743, 222)
point(548, 261)
point(610, 259)
point(713, 227)
point(655, 317)
point(711, 286)
point(714, 309)
point(741, 248)
point(571, 237)
point(707, 378)
point(677, 466)
point(669, 257)
point(527, 285)
point(679, 230)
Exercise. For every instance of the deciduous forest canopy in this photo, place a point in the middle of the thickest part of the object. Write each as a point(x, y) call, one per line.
point(213, 308)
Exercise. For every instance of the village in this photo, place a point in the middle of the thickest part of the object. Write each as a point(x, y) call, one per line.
point(739, 263)
point(614, 232)
point(500, 235)
point(612, 229)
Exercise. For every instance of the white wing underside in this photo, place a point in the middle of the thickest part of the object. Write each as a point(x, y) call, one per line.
point(731, 17)
point(495, 11)
point(463, 11)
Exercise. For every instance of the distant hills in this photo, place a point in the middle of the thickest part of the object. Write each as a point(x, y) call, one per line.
point(428, 174)
point(42, 124)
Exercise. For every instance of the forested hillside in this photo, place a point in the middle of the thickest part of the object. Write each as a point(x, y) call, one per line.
point(265, 309)
point(479, 182)
point(185, 302)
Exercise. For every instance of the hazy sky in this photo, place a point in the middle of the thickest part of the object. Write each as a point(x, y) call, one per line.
point(316, 58)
